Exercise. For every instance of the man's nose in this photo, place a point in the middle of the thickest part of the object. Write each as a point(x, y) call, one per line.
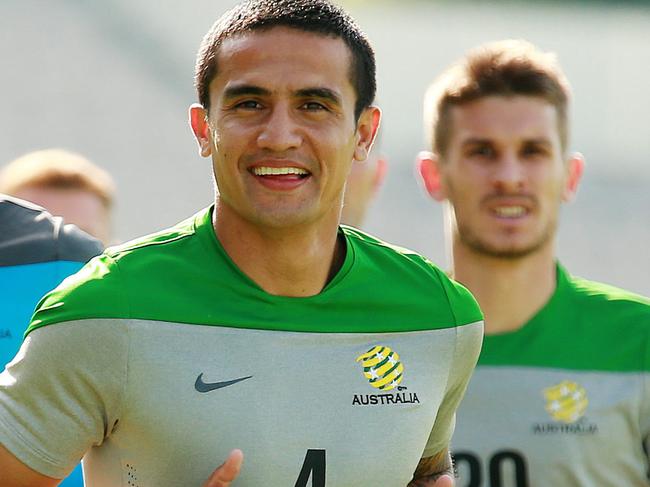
point(509, 173)
point(280, 132)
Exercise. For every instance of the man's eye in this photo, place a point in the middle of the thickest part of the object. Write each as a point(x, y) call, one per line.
point(313, 106)
point(248, 105)
point(533, 150)
point(481, 151)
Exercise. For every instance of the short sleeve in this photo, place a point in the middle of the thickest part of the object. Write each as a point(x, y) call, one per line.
point(463, 305)
point(62, 393)
point(468, 346)
point(96, 291)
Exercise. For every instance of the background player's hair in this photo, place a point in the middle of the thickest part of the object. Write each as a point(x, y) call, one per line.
point(317, 16)
point(503, 68)
point(57, 168)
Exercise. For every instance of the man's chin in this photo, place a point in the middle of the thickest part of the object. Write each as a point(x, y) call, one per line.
point(508, 251)
point(279, 218)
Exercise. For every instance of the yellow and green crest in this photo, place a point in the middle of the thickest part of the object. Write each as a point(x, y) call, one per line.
point(382, 367)
point(566, 402)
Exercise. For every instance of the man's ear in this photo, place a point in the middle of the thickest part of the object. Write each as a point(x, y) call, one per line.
point(428, 168)
point(201, 128)
point(367, 128)
point(576, 167)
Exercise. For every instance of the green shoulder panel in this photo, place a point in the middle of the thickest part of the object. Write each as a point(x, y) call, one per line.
point(429, 291)
point(585, 325)
point(183, 275)
point(617, 324)
point(99, 290)
point(466, 309)
point(93, 292)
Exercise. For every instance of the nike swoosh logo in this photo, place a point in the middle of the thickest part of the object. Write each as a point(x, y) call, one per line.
point(201, 386)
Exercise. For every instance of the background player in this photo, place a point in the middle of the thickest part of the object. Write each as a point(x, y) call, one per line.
point(560, 396)
point(321, 352)
point(37, 251)
point(362, 186)
point(70, 186)
point(66, 184)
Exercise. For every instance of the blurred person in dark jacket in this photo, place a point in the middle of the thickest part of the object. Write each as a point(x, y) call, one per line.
point(67, 185)
point(37, 251)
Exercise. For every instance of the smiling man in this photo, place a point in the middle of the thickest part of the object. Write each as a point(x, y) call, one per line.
point(258, 328)
point(560, 396)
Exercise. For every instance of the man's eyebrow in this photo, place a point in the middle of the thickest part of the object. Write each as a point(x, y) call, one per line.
point(323, 93)
point(476, 141)
point(539, 140)
point(239, 90)
point(544, 141)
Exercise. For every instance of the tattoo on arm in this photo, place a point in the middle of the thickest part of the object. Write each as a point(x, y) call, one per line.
point(431, 468)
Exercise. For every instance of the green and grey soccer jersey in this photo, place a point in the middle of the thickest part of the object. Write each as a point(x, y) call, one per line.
point(565, 400)
point(160, 357)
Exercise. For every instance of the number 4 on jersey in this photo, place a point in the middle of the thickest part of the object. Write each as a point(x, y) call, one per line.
point(314, 467)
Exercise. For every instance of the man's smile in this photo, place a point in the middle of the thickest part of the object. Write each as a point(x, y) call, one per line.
point(280, 175)
point(510, 207)
point(279, 171)
point(513, 211)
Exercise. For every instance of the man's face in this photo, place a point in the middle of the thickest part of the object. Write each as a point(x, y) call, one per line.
point(78, 206)
point(282, 128)
point(504, 175)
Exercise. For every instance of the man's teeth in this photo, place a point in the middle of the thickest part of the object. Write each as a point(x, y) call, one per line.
point(278, 171)
point(510, 211)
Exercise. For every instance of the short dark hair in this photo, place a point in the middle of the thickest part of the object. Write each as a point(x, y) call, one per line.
point(317, 16)
point(503, 68)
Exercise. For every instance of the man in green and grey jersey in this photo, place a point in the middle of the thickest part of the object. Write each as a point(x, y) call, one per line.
point(259, 325)
point(561, 393)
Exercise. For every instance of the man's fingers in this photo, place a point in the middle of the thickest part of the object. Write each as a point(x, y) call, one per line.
point(444, 481)
point(227, 471)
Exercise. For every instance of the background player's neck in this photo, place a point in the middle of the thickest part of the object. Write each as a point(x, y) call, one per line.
point(296, 262)
point(509, 291)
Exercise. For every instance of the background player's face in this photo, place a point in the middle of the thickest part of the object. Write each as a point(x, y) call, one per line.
point(504, 175)
point(361, 188)
point(282, 126)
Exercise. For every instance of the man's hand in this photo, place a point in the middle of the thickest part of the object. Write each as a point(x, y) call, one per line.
point(434, 471)
point(444, 481)
point(17, 474)
point(228, 471)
